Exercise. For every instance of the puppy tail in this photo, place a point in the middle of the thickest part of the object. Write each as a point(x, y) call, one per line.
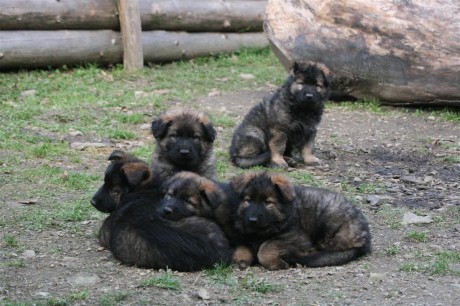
point(329, 258)
point(251, 161)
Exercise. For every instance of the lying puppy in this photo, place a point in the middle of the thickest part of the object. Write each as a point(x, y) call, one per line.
point(285, 224)
point(137, 234)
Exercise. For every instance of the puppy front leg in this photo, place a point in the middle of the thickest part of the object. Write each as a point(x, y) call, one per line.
point(269, 256)
point(277, 145)
point(307, 151)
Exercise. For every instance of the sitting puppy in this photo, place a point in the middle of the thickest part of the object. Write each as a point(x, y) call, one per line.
point(285, 224)
point(184, 142)
point(137, 234)
point(286, 122)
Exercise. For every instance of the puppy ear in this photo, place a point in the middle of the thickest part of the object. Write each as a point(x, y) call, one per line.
point(283, 187)
point(117, 155)
point(136, 173)
point(239, 183)
point(328, 75)
point(209, 132)
point(160, 128)
point(211, 193)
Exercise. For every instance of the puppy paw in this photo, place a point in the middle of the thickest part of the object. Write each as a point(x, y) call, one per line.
point(312, 161)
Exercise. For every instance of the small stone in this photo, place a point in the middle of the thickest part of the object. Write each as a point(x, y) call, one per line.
point(377, 277)
point(28, 93)
point(42, 294)
point(28, 254)
point(411, 218)
point(83, 279)
point(203, 294)
point(373, 199)
point(75, 133)
point(247, 76)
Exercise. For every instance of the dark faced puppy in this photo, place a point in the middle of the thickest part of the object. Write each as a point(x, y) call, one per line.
point(184, 142)
point(188, 194)
point(137, 234)
point(125, 174)
point(297, 225)
point(286, 123)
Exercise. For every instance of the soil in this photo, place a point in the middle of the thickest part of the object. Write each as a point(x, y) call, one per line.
point(388, 163)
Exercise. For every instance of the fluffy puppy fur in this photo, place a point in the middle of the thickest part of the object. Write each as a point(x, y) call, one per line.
point(184, 142)
point(285, 224)
point(286, 123)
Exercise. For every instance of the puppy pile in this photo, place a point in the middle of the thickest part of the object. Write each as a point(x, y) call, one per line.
point(175, 214)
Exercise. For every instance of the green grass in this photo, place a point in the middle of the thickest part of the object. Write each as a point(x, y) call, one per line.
point(11, 241)
point(114, 298)
point(416, 236)
point(434, 263)
point(258, 285)
point(164, 280)
point(393, 250)
point(222, 274)
point(392, 216)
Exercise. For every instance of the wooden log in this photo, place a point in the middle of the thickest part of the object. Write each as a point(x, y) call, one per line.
point(401, 52)
point(43, 49)
point(203, 15)
point(58, 15)
point(174, 15)
point(165, 46)
point(131, 34)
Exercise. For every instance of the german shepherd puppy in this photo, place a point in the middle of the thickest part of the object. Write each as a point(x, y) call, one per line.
point(184, 142)
point(137, 234)
point(286, 122)
point(188, 194)
point(285, 224)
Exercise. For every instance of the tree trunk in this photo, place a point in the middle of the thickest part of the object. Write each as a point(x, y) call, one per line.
point(401, 52)
point(161, 46)
point(58, 15)
point(203, 15)
point(42, 49)
point(175, 15)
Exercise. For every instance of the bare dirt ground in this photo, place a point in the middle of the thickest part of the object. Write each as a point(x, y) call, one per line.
point(388, 163)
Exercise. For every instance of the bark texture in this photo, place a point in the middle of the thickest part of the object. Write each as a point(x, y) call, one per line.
point(42, 49)
point(402, 51)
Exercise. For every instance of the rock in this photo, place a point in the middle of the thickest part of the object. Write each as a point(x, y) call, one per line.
point(203, 294)
point(28, 254)
point(412, 179)
point(84, 279)
point(411, 218)
point(373, 199)
point(377, 277)
point(247, 76)
point(390, 50)
point(28, 93)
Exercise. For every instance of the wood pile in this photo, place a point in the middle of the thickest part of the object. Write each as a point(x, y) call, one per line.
point(51, 33)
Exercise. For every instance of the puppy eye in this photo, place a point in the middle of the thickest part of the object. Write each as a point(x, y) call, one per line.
point(168, 196)
point(172, 136)
point(196, 136)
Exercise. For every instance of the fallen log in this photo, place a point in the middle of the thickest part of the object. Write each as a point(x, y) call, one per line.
point(203, 15)
point(43, 49)
point(401, 52)
point(162, 46)
point(174, 15)
point(58, 15)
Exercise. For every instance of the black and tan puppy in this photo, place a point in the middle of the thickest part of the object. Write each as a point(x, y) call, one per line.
point(125, 174)
point(184, 142)
point(286, 224)
point(188, 194)
point(137, 234)
point(285, 123)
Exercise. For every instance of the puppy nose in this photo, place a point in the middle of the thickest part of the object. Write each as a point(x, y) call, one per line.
point(184, 152)
point(309, 95)
point(168, 210)
point(93, 202)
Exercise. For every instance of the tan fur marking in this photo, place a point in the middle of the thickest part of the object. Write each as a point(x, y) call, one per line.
point(243, 257)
